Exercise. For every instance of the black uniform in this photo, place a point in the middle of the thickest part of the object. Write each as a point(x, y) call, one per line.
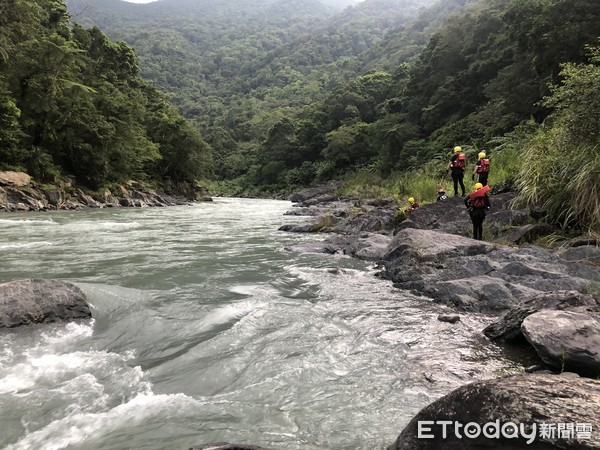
point(458, 175)
point(477, 208)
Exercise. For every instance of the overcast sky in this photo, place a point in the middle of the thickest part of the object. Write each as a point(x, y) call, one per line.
point(150, 1)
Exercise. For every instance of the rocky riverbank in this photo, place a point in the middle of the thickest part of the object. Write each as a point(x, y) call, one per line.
point(19, 193)
point(546, 299)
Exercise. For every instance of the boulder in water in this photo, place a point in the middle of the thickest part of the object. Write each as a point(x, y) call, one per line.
point(529, 401)
point(26, 302)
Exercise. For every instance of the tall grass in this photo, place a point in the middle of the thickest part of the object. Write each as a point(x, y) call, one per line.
point(562, 178)
point(423, 184)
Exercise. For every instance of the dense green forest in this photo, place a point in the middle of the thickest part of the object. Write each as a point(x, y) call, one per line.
point(271, 95)
point(72, 104)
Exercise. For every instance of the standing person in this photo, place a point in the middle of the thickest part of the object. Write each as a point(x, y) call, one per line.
point(478, 203)
point(457, 165)
point(412, 205)
point(441, 195)
point(482, 169)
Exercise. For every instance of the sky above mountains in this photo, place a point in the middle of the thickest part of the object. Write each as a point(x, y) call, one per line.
point(347, 2)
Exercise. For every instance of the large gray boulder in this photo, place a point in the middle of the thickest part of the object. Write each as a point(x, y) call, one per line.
point(530, 400)
point(26, 302)
point(479, 276)
point(508, 327)
point(565, 340)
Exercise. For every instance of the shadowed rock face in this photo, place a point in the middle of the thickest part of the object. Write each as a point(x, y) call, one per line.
point(37, 301)
point(521, 399)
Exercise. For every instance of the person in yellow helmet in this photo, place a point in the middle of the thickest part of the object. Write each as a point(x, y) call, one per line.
point(412, 205)
point(478, 202)
point(482, 169)
point(457, 166)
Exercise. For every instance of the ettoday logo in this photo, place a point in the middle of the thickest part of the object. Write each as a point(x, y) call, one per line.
point(429, 429)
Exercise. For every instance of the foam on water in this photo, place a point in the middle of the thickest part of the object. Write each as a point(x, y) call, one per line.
point(76, 428)
point(25, 245)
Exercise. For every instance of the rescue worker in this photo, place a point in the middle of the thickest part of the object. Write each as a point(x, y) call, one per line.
point(482, 169)
point(478, 202)
point(457, 166)
point(412, 205)
point(441, 195)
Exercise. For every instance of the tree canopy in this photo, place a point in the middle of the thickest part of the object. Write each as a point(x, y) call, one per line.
point(72, 103)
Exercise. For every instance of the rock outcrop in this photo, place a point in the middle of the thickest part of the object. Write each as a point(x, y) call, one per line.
point(15, 179)
point(479, 276)
point(18, 193)
point(26, 302)
point(538, 403)
point(565, 340)
point(367, 246)
point(508, 327)
point(562, 327)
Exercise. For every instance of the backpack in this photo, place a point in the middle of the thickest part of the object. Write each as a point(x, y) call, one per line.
point(484, 166)
point(461, 161)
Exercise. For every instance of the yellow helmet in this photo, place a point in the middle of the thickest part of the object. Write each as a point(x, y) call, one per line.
point(411, 200)
point(478, 186)
point(481, 155)
point(457, 149)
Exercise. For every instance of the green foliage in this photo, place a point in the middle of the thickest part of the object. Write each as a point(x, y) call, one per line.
point(561, 161)
point(72, 104)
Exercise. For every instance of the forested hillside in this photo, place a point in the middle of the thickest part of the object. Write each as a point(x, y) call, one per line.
point(235, 68)
point(288, 93)
point(72, 104)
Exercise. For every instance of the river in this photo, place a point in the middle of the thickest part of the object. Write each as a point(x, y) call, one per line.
point(206, 329)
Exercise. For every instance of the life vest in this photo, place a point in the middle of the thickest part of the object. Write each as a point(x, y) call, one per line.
point(483, 166)
point(478, 197)
point(478, 202)
point(460, 162)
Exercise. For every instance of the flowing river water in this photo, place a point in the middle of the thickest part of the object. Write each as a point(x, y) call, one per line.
point(206, 329)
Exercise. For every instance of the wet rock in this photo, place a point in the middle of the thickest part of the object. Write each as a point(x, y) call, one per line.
point(310, 211)
point(508, 327)
point(301, 228)
point(418, 246)
point(565, 340)
point(372, 220)
point(312, 193)
point(521, 399)
point(55, 197)
point(16, 179)
point(26, 302)
point(87, 200)
point(369, 247)
point(450, 318)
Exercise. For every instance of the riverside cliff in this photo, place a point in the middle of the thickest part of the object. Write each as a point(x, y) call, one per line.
point(18, 192)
